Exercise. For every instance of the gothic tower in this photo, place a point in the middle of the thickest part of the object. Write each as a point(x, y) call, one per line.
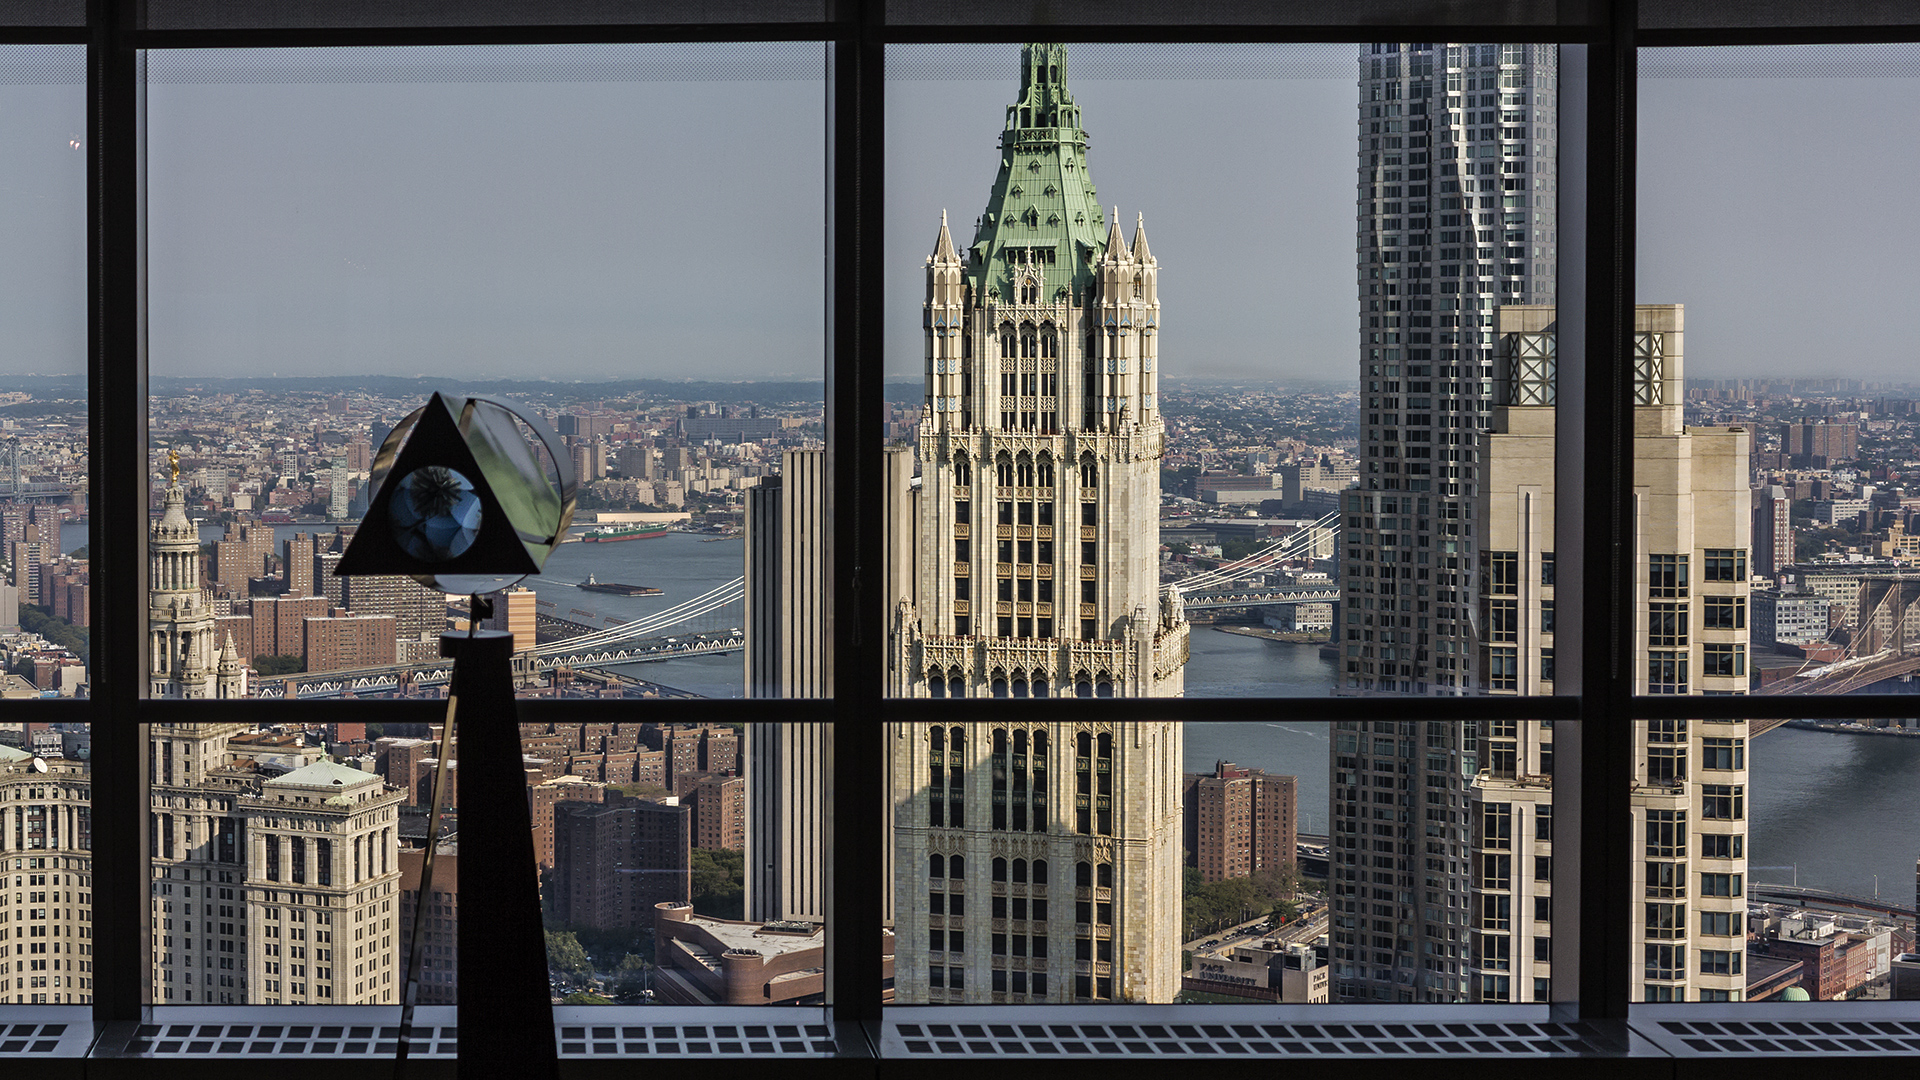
point(1042, 428)
point(182, 654)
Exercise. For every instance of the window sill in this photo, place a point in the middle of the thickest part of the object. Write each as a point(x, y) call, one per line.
point(210, 1041)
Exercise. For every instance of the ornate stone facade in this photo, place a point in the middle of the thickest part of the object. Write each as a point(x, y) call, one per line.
point(1035, 860)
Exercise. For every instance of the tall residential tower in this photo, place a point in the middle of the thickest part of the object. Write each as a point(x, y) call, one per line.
point(1456, 215)
point(1035, 859)
point(1692, 534)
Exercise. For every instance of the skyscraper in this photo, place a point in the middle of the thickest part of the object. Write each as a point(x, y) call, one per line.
point(789, 653)
point(1456, 216)
point(1041, 424)
point(1690, 626)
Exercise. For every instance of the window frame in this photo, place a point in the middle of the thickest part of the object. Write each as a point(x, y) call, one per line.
point(1591, 954)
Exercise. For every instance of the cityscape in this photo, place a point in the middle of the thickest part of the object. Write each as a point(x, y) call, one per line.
point(1384, 527)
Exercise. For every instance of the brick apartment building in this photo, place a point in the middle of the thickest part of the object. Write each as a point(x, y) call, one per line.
point(614, 861)
point(340, 641)
point(1239, 822)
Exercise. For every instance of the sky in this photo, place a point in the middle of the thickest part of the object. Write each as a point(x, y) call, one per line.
point(585, 212)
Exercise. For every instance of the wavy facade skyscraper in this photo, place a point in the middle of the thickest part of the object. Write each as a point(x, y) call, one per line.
point(1456, 215)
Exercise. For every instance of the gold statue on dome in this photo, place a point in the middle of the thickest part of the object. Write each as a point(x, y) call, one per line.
point(173, 464)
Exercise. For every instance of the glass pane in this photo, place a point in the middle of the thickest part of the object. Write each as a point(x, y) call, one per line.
point(46, 864)
point(643, 833)
point(1029, 857)
point(1827, 878)
point(270, 861)
point(1333, 527)
point(1442, 857)
point(1800, 561)
point(45, 597)
point(337, 232)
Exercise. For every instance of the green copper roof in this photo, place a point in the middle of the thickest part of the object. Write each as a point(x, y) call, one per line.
point(1043, 199)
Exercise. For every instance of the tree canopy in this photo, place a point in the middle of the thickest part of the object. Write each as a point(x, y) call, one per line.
point(719, 883)
point(565, 954)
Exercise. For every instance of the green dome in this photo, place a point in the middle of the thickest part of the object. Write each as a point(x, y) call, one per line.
point(1795, 993)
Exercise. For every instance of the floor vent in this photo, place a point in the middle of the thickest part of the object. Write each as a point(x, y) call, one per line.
point(1245, 1040)
point(39, 1038)
point(244, 1040)
point(1699, 1038)
point(696, 1040)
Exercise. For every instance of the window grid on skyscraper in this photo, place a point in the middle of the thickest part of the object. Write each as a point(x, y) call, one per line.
point(119, 497)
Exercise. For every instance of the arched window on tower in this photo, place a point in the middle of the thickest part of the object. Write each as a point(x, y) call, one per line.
point(962, 470)
point(1089, 472)
point(1008, 342)
point(1003, 469)
point(1044, 473)
point(1026, 470)
point(1029, 342)
point(1049, 344)
point(1030, 290)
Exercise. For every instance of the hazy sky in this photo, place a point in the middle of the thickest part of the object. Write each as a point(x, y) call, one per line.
point(586, 212)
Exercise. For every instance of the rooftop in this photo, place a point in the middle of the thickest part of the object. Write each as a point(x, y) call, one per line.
point(325, 775)
point(757, 937)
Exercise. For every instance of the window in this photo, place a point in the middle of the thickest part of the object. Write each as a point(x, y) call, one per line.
point(1666, 920)
point(1666, 764)
point(1666, 833)
point(1666, 961)
point(1720, 885)
point(1723, 753)
point(1722, 846)
point(1720, 924)
point(1461, 81)
point(1724, 613)
point(1725, 564)
point(1720, 962)
point(1723, 659)
point(1725, 802)
point(1666, 672)
point(1503, 572)
point(1666, 879)
point(1666, 625)
point(1667, 576)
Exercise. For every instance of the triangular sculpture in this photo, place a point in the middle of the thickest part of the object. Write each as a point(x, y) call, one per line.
point(422, 521)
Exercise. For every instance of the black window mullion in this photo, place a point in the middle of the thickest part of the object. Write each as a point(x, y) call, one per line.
point(856, 558)
point(1596, 483)
point(116, 425)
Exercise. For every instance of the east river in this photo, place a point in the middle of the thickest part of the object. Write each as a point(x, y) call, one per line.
point(1836, 808)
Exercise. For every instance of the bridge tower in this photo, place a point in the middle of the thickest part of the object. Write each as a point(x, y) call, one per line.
point(1038, 574)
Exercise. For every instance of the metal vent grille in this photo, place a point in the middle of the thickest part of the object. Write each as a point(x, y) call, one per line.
point(1339, 1040)
point(337, 1040)
point(696, 1040)
point(35, 1038)
point(1708, 1037)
